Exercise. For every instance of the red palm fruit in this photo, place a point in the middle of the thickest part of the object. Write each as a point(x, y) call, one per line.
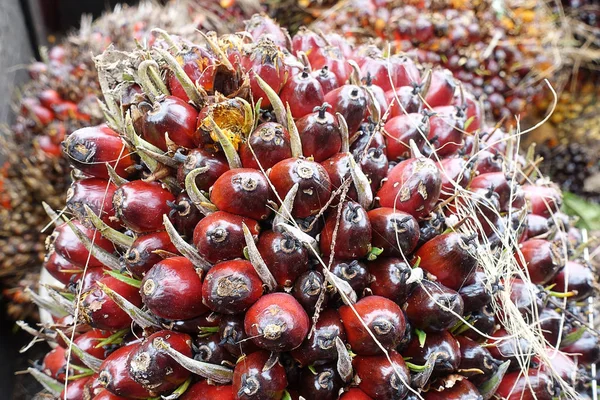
point(197, 158)
point(543, 200)
point(64, 241)
point(450, 257)
point(233, 336)
point(314, 186)
point(354, 394)
point(153, 368)
point(551, 325)
point(320, 382)
point(441, 88)
point(560, 363)
point(526, 386)
point(49, 98)
point(141, 255)
point(476, 362)
point(307, 289)
point(354, 272)
point(413, 186)
point(462, 389)
point(475, 295)
point(353, 236)
point(254, 379)
point(537, 226)
point(75, 389)
point(266, 146)
point(277, 322)
point(284, 255)
point(575, 277)
point(231, 287)
point(89, 149)
point(260, 26)
point(242, 191)
point(265, 60)
point(320, 347)
point(192, 326)
point(172, 289)
point(88, 342)
point(203, 390)
point(388, 278)
point(184, 215)
point(506, 347)
point(210, 349)
point(40, 114)
point(541, 258)
point(55, 363)
point(326, 78)
point(367, 137)
point(219, 236)
point(99, 311)
point(141, 205)
point(455, 171)
point(199, 65)
point(307, 41)
point(303, 93)
point(405, 71)
point(67, 110)
point(88, 280)
point(60, 268)
point(320, 134)
point(586, 349)
point(106, 395)
point(383, 317)
point(45, 144)
point(443, 344)
point(396, 232)
point(447, 130)
point(351, 101)
point(96, 193)
point(378, 73)
point(116, 377)
point(474, 113)
point(423, 308)
point(170, 115)
point(381, 380)
point(375, 165)
point(497, 182)
point(484, 321)
point(338, 169)
point(332, 58)
point(488, 162)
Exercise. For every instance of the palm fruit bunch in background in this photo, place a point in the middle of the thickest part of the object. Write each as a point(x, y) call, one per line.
point(270, 220)
point(61, 97)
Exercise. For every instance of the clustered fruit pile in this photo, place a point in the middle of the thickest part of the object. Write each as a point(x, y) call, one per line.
point(270, 219)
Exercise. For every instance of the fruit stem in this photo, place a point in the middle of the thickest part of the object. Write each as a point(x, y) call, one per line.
point(200, 201)
point(111, 234)
point(284, 214)
point(344, 361)
point(257, 261)
point(167, 38)
point(276, 103)
point(184, 247)
point(361, 183)
point(354, 78)
point(140, 317)
point(150, 81)
point(344, 133)
point(102, 255)
point(295, 141)
point(50, 384)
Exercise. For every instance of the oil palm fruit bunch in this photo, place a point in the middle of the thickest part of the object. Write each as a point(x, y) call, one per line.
point(61, 97)
point(264, 222)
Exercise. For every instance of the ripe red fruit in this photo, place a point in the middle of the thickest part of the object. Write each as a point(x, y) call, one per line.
point(55, 363)
point(354, 272)
point(307, 289)
point(153, 368)
point(314, 186)
point(541, 258)
point(455, 171)
point(75, 389)
point(284, 255)
point(450, 257)
point(441, 88)
point(219, 236)
point(320, 133)
point(88, 342)
point(475, 358)
point(184, 215)
point(326, 78)
point(64, 241)
point(307, 41)
point(265, 60)
point(96, 193)
point(381, 380)
point(446, 131)
point(354, 394)
point(320, 347)
point(60, 268)
point(443, 344)
point(141, 256)
point(254, 379)
point(462, 389)
point(423, 310)
point(242, 191)
point(353, 237)
point(532, 385)
point(543, 200)
point(575, 277)
point(116, 378)
point(197, 158)
point(91, 276)
point(106, 395)
point(277, 322)
point(475, 295)
point(405, 99)
point(260, 26)
point(169, 115)
point(497, 182)
point(199, 66)
point(172, 289)
point(338, 169)
point(333, 58)
point(405, 71)
point(388, 278)
point(268, 144)
point(49, 98)
point(233, 337)
point(488, 162)
point(141, 205)
point(47, 146)
point(320, 382)
point(303, 93)
point(396, 232)
point(383, 317)
point(413, 186)
point(350, 101)
point(90, 149)
point(537, 226)
point(203, 390)
point(231, 287)
point(586, 349)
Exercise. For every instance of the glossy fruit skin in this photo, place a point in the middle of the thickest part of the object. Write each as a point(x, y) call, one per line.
point(353, 238)
point(95, 193)
point(106, 395)
point(86, 281)
point(484, 321)
point(115, 375)
point(542, 259)
point(140, 257)
point(231, 287)
point(413, 186)
point(454, 171)
point(400, 130)
point(447, 130)
point(450, 257)
point(219, 236)
point(575, 277)
point(320, 134)
point(197, 158)
point(441, 90)
point(170, 115)
point(354, 394)
point(199, 66)
point(324, 384)
point(277, 322)
point(488, 162)
point(462, 390)
point(303, 93)
point(379, 380)
point(475, 295)
point(382, 316)
point(60, 268)
point(474, 356)
point(320, 347)
point(444, 344)
point(543, 200)
point(396, 232)
point(350, 101)
point(375, 165)
point(252, 381)
point(586, 349)
point(423, 312)
point(233, 336)
point(172, 289)
point(67, 244)
point(326, 78)
point(210, 349)
point(388, 278)
point(338, 170)
point(533, 385)
point(88, 341)
point(89, 149)
point(354, 272)
point(153, 368)
point(508, 348)
point(204, 391)
point(497, 182)
point(184, 215)
point(285, 256)
point(100, 312)
point(54, 363)
point(307, 289)
point(75, 389)
point(242, 191)
point(407, 96)
point(537, 225)
point(265, 60)
point(141, 205)
point(314, 186)
point(268, 144)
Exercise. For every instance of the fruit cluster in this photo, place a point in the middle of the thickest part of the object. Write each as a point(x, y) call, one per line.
point(270, 218)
